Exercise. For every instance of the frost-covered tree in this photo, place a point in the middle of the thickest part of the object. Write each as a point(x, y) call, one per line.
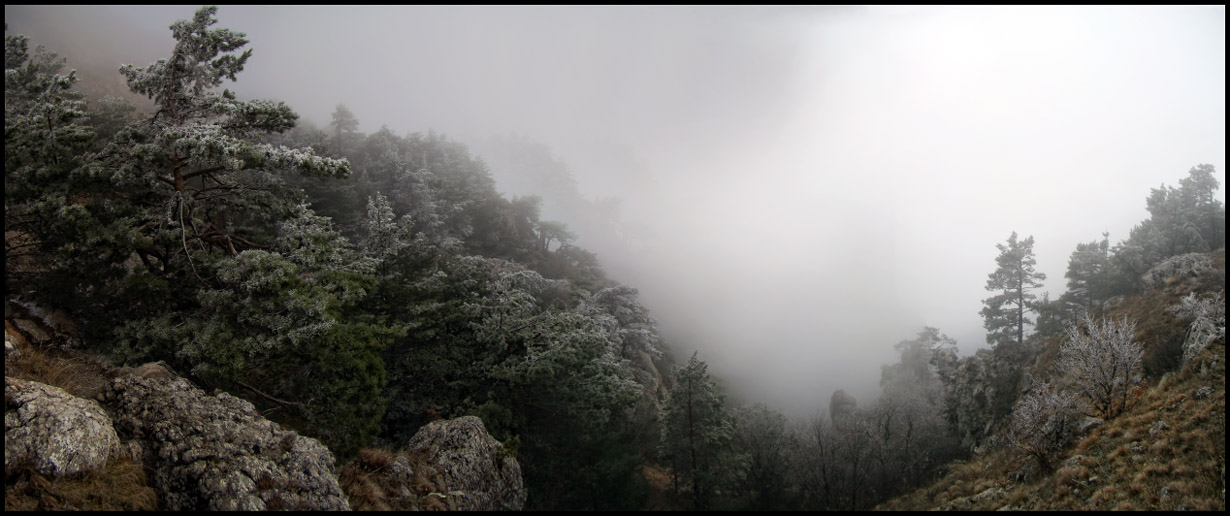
point(1043, 422)
point(768, 449)
point(1187, 219)
point(196, 163)
point(1089, 272)
point(282, 326)
point(1101, 362)
point(550, 231)
point(637, 331)
point(697, 431)
point(1004, 314)
point(46, 150)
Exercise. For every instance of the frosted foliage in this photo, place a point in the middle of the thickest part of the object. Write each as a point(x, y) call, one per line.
point(636, 330)
point(1208, 324)
point(194, 66)
point(1043, 422)
point(1100, 361)
point(199, 146)
point(383, 236)
point(43, 127)
point(309, 240)
point(1192, 307)
point(510, 308)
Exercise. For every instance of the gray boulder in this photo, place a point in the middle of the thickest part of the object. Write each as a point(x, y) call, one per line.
point(1188, 265)
point(216, 452)
point(478, 472)
point(11, 350)
point(53, 431)
point(1087, 424)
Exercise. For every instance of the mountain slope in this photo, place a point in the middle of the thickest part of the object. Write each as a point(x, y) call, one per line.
point(1165, 452)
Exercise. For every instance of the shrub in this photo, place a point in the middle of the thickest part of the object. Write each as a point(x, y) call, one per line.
point(1043, 422)
point(1100, 362)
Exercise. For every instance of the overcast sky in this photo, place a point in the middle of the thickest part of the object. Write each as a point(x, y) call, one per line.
point(813, 184)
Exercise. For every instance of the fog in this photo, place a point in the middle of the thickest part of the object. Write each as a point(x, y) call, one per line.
point(801, 187)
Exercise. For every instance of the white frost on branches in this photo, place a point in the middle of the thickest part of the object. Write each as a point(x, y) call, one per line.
point(1043, 422)
point(1208, 321)
point(1100, 361)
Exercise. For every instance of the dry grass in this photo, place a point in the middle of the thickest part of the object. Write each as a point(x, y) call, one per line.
point(120, 486)
point(79, 374)
point(1124, 467)
point(371, 484)
point(661, 492)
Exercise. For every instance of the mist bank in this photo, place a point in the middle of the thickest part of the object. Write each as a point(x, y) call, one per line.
point(800, 188)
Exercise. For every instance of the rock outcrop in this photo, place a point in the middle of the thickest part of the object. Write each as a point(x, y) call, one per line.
point(40, 325)
point(981, 389)
point(477, 470)
point(53, 431)
point(1189, 265)
point(201, 451)
point(841, 404)
point(215, 452)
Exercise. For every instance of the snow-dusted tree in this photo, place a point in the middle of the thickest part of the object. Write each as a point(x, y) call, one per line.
point(1192, 306)
point(46, 144)
point(195, 163)
point(1187, 219)
point(1089, 272)
point(1043, 422)
point(1198, 191)
point(1100, 361)
point(383, 237)
point(551, 231)
point(697, 431)
point(1004, 313)
point(768, 449)
point(637, 331)
point(282, 326)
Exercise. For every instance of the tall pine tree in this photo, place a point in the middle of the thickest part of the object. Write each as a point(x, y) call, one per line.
point(1004, 313)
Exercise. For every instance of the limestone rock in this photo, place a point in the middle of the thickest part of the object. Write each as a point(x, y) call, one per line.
point(476, 468)
point(841, 404)
point(58, 433)
point(10, 346)
point(980, 386)
point(216, 452)
point(1200, 334)
point(1087, 424)
point(1187, 265)
point(41, 326)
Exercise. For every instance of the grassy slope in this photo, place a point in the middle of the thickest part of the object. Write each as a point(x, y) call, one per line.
point(1131, 462)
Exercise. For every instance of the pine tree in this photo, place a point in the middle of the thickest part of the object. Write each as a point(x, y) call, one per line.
point(1089, 271)
point(1004, 313)
point(195, 163)
point(697, 432)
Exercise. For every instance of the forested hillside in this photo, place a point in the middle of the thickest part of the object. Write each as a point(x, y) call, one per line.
point(356, 287)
